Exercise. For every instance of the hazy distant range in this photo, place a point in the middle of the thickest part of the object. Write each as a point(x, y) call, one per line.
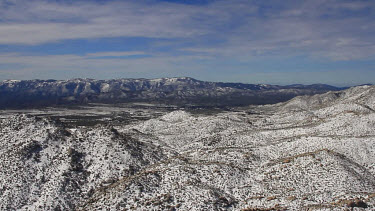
point(183, 91)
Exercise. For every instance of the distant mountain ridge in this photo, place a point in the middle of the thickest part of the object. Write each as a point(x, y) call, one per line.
point(178, 91)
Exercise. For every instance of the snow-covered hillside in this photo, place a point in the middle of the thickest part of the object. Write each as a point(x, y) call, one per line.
point(310, 153)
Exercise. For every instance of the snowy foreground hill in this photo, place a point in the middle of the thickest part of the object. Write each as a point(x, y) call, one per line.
point(310, 153)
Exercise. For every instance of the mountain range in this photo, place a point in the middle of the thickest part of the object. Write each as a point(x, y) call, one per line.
point(177, 91)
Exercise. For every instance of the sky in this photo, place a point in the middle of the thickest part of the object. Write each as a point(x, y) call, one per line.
point(249, 41)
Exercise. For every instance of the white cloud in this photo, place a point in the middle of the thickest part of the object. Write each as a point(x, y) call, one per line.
point(116, 54)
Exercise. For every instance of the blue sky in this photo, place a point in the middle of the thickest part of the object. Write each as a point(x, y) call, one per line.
point(250, 41)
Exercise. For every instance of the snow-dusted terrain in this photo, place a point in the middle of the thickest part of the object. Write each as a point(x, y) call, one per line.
point(310, 153)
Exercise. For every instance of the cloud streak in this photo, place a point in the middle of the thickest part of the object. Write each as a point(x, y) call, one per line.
point(44, 21)
point(105, 65)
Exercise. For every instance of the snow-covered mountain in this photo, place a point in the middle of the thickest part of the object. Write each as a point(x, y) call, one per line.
point(309, 153)
point(179, 91)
